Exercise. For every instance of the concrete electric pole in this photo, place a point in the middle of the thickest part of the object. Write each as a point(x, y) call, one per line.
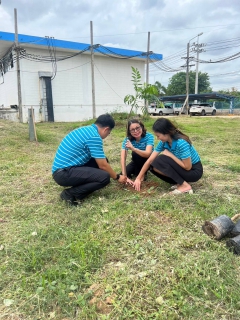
point(186, 103)
point(92, 67)
point(147, 69)
point(197, 49)
point(18, 68)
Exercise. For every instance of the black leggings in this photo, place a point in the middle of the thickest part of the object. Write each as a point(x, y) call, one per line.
point(82, 180)
point(135, 166)
point(173, 173)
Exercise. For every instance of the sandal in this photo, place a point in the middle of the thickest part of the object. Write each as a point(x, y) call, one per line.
point(177, 192)
point(173, 187)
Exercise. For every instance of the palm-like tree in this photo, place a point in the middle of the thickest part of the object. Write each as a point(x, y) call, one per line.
point(161, 89)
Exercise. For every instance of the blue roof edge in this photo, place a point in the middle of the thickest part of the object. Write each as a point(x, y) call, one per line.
point(42, 41)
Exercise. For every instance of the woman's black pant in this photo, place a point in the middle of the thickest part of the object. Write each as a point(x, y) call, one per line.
point(173, 173)
point(82, 180)
point(135, 166)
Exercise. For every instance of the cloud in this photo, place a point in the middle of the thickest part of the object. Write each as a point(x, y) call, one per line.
point(156, 4)
point(125, 24)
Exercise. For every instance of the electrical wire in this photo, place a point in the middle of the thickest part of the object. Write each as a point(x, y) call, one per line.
point(107, 82)
point(110, 53)
point(156, 31)
point(155, 63)
point(220, 60)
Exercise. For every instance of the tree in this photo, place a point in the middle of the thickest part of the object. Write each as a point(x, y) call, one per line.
point(232, 92)
point(143, 91)
point(161, 89)
point(177, 84)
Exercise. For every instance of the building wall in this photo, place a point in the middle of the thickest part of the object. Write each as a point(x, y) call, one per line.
point(8, 89)
point(72, 88)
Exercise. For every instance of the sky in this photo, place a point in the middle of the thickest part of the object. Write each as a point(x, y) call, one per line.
point(125, 24)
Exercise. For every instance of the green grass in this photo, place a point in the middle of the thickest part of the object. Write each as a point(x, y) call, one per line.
point(122, 254)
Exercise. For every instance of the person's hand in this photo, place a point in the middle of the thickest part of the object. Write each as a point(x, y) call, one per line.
point(130, 182)
point(122, 179)
point(137, 184)
point(129, 145)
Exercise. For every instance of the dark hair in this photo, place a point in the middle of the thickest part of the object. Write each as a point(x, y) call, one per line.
point(165, 126)
point(105, 120)
point(130, 137)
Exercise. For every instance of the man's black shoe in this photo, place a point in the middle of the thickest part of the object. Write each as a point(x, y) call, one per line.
point(70, 200)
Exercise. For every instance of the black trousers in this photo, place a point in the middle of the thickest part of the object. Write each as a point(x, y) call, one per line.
point(173, 172)
point(135, 166)
point(82, 180)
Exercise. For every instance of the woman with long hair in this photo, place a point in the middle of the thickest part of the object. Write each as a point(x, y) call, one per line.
point(178, 162)
point(141, 143)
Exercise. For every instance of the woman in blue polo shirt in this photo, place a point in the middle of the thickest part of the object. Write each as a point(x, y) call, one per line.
point(141, 143)
point(178, 162)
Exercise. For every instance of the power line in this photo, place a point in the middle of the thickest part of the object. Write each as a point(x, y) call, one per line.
point(108, 83)
point(227, 73)
point(63, 70)
point(156, 31)
point(155, 62)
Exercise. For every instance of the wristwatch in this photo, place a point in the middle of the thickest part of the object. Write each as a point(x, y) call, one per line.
point(118, 176)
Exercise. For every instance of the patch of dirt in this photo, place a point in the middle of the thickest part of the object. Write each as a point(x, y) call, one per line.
point(102, 303)
point(147, 188)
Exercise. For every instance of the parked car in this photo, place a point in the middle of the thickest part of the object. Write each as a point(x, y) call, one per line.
point(153, 109)
point(178, 108)
point(202, 109)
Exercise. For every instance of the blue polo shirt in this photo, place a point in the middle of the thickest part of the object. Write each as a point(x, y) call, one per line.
point(181, 149)
point(148, 140)
point(78, 147)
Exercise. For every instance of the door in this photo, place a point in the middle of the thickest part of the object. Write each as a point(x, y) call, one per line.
point(46, 99)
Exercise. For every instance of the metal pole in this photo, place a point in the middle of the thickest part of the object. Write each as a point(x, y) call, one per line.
point(92, 68)
point(18, 68)
point(147, 70)
point(198, 51)
point(187, 79)
point(147, 64)
point(196, 78)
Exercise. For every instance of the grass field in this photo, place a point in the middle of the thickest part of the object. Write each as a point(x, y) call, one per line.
point(121, 254)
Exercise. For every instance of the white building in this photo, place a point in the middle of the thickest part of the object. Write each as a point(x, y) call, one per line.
point(54, 77)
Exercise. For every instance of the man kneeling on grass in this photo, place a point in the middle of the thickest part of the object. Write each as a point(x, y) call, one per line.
point(80, 163)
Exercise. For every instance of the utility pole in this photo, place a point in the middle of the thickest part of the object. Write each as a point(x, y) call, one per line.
point(92, 68)
point(147, 69)
point(186, 103)
point(18, 68)
point(187, 78)
point(198, 50)
point(147, 60)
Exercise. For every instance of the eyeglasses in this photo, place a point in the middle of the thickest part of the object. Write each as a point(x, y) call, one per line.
point(135, 129)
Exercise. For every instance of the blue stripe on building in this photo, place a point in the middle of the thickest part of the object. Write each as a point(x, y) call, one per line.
point(77, 46)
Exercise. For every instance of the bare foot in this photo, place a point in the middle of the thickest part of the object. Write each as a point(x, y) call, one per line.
point(184, 187)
